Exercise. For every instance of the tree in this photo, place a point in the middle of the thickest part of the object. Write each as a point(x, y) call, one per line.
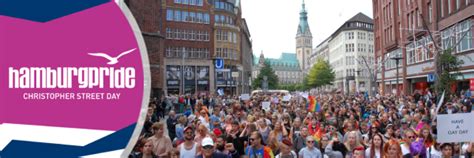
point(272, 78)
point(449, 63)
point(321, 74)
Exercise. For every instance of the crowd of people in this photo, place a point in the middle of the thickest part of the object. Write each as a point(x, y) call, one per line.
point(343, 126)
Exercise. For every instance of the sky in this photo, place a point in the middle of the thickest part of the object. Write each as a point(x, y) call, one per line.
point(273, 23)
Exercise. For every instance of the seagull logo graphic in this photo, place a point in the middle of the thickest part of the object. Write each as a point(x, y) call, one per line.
point(112, 60)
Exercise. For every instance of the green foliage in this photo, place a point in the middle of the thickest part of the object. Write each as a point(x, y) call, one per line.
point(449, 65)
point(320, 74)
point(272, 78)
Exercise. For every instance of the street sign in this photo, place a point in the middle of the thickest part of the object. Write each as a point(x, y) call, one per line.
point(219, 63)
point(430, 77)
point(222, 70)
point(235, 74)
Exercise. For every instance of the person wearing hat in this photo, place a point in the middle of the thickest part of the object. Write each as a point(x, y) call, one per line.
point(285, 150)
point(449, 109)
point(208, 150)
point(188, 148)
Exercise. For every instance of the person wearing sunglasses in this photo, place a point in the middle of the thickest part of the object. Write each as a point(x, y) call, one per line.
point(310, 151)
point(208, 150)
point(188, 148)
point(256, 148)
point(410, 137)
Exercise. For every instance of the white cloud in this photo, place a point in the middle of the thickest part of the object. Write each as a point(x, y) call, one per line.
point(273, 23)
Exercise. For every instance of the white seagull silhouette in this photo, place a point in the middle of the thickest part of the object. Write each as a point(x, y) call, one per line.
point(112, 60)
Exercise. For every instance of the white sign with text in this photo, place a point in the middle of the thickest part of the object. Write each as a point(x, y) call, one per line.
point(266, 105)
point(453, 128)
point(245, 97)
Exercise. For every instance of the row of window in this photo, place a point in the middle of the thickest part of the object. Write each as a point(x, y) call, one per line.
point(359, 24)
point(350, 60)
point(226, 36)
point(446, 5)
point(224, 19)
point(226, 53)
point(184, 34)
point(190, 2)
point(360, 35)
point(420, 51)
point(178, 52)
point(361, 47)
point(390, 63)
point(458, 33)
point(287, 74)
point(224, 6)
point(187, 16)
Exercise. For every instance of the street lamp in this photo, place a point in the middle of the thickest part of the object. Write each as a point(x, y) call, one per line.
point(397, 61)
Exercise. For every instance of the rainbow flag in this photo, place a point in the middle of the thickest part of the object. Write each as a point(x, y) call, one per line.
point(318, 135)
point(313, 105)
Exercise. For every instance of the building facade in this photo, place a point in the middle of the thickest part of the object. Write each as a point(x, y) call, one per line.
point(287, 68)
point(149, 20)
point(304, 40)
point(416, 31)
point(247, 58)
point(345, 49)
point(193, 34)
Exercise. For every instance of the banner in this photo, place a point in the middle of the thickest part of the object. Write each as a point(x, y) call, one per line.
point(73, 79)
point(453, 128)
point(173, 76)
point(245, 96)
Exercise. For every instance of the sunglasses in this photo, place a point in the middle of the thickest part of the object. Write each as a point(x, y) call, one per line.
point(310, 141)
point(411, 137)
point(252, 139)
point(207, 147)
point(188, 133)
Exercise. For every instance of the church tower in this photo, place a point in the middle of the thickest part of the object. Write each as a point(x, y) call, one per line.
point(304, 40)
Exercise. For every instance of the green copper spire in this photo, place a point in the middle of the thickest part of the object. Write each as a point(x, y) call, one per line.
point(303, 27)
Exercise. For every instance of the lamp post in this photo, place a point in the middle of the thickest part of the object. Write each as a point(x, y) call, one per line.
point(183, 91)
point(397, 61)
point(357, 79)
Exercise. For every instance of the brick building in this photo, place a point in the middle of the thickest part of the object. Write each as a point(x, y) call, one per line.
point(148, 16)
point(401, 30)
point(185, 37)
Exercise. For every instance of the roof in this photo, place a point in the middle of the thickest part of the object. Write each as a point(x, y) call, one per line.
point(361, 17)
point(349, 24)
point(286, 62)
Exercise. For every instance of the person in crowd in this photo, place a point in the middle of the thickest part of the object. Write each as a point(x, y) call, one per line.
point(234, 137)
point(180, 129)
point(208, 150)
point(263, 129)
point(162, 144)
point(335, 149)
point(324, 142)
point(392, 149)
point(188, 148)
point(376, 147)
point(202, 132)
point(358, 152)
point(427, 136)
point(285, 150)
point(310, 151)
point(447, 150)
point(257, 149)
point(171, 124)
point(410, 136)
point(226, 148)
point(352, 141)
